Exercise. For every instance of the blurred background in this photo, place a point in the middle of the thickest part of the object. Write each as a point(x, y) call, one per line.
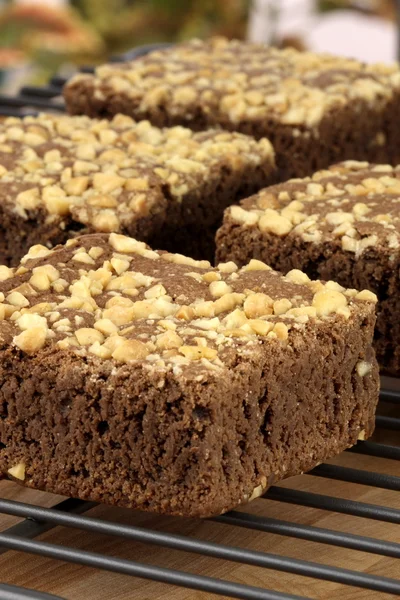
point(41, 38)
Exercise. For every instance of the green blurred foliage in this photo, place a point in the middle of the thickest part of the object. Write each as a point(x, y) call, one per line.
point(88, 31)
point(124, 24)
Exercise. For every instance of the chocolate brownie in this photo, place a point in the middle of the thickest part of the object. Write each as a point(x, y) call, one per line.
point(342, 224)
point(315, 109)
point(60, 175)
point(150, 380)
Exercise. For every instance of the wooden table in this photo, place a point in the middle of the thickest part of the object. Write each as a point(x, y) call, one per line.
point(80, 583)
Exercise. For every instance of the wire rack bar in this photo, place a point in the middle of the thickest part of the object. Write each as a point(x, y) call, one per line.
point(6, 111)
point(12, 592)
point(160, 574)
point(33, 525)
point(339, 505)
point(380, 480)
point(379, 450)
point(87, 69)
point(58, 81)
point(220, 551)
point(29, 101)
point(388, 422)
point(39, 96)
point(279, 563)
point(139, 51)
point(46, 91)
point(313, 534)
point(391, 396)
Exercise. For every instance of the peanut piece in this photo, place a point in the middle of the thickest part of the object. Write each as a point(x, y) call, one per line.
point(243, 216)
point(186, 313)
point(169, 340)
point(367, 296)
point(29, 199)
point(156, 291)
point(87, 336)
point(119, 315)
point(297, 276)
point(17, 299)
point(18, 471)
point(228, 267)
point(100, 351)
point(282, 306)
point(256, 265)
point(28, 320)
point(327, 302)
point(130, 350)
point(219, 289)
point(31, 340)
point(77, 185)
point(226, 303)
point(363, 368)
point(260, 327)
point(273, 222)
point(5, 273)
point(258, 305)
point(105, 326)
point(125, 244)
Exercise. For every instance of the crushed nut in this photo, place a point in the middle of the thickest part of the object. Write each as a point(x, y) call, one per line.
point(31, 340)
point(108, 310)
point(363, 368)
point(327, 302)
point(258, 305)
point(18, 471)
point(130, 350)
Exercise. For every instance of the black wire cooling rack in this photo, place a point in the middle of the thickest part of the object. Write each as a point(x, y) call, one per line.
point(70, 513)
point(33, 99)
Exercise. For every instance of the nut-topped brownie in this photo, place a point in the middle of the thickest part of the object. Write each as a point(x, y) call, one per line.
point(342, 224)
point(62, 174)
point(151, 380)
point(315, 109)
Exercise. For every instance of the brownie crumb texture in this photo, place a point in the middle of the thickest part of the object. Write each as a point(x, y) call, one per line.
point(61, 175)
point(315, 109)
point(151, 380)
point(342, 224)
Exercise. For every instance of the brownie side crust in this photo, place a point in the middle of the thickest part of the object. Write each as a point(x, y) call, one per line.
point(150, 380)
point(315, 109)
point(61, 175)
point(341, 224)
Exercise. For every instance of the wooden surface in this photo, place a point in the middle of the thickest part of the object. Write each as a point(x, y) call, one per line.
point(73, 582)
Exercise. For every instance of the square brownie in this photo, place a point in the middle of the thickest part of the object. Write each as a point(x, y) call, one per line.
point(342, 223)
point(154, 381)
point(315, 109)
point(61, 174)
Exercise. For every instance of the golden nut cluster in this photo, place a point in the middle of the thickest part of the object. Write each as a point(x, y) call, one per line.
point(239, 81)
point(353, 203)
point(99, 303)
point(108, 173)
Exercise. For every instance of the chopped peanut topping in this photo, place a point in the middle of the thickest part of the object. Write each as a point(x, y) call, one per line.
point(110, 175)
point(352, 206)
point(239, 81)
point(127, 305)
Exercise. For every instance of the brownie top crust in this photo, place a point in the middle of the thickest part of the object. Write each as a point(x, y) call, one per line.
point(355, 203)
point(110, 297)
point(233, 81)
point(107, 174)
